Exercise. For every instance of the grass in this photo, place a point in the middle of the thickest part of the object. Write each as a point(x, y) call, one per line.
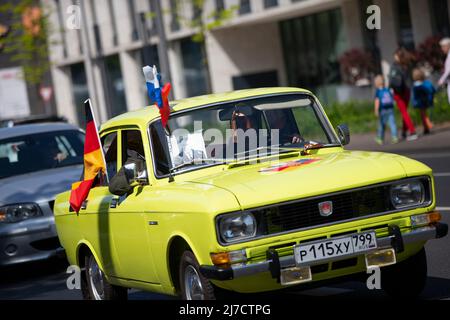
point(360, 118)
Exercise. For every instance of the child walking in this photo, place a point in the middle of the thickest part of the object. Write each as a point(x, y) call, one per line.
point(384, 110)
point(423, 96)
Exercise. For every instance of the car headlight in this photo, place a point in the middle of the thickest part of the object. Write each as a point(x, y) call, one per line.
point(407, 194)
point(236, 227)
point(19, 212)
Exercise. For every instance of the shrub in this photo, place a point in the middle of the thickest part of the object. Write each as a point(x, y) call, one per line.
point(359, 115)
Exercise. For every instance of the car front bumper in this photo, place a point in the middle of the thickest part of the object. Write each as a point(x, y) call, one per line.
point(29, 240)
point(274, 264)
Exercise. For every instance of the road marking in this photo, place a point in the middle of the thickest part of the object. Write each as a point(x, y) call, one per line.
point(443, 208)
point(442, 174)
point(428, 155)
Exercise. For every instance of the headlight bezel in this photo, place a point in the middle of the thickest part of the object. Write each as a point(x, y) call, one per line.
point(9, 214)
point(425, 198)
point(235, 215)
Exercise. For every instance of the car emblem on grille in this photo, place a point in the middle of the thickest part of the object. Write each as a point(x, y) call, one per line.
point(326, 208)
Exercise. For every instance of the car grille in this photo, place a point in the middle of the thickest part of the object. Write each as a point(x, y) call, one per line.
point(352, 204)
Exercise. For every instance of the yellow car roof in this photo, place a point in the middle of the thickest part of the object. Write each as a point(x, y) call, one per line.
point(143, 116)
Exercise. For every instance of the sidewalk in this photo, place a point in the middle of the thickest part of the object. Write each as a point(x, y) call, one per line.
point(437, 141)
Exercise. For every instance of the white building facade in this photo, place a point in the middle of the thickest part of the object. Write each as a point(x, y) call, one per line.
point(264, 43)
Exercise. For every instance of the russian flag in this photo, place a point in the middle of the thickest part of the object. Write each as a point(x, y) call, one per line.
point(159, 96)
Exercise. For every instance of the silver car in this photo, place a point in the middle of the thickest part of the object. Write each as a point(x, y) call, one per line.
point(37, 161)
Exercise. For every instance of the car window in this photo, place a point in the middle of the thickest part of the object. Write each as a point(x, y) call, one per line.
point(160, 150)
point(40, 151)
point(133, 149)
point(131, 141)
point(109, 143)
point(306, 121)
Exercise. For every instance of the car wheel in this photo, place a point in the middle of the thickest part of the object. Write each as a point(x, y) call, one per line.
point(407, 278)
point(194, 286)
point(96, 285)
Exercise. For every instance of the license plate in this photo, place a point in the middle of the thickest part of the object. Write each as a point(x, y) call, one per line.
point(335, 247)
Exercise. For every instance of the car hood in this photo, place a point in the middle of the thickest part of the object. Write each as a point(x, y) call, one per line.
point(38, 186)
point(284, 179)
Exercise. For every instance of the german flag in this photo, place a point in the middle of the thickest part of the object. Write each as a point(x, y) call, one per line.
point(94, 161)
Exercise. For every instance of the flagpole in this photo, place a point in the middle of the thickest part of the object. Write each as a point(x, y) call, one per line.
point(88, 102)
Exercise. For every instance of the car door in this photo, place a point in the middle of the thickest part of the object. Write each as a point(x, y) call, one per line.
point(129, 225)
point(94, 216)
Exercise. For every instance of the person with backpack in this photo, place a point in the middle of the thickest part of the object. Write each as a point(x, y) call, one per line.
point(399, 83)
point(384, 110)
point(422, 98)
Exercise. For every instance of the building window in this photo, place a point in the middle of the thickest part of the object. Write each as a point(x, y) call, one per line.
point(115, 89)
point(370, 37)
point(96, 27)
point(80, 90)
point(62, 27)
point(439, 17)
point(113, 22)
point(312, 46)
point(404, 24)
point(256, 80)
point(132, 11)
point(175, 23)
point(220, 5)
point(149, 56)
point(196, 11)
point(244, 7)
point(195, 73)
point(153, 12)
point(270, 3)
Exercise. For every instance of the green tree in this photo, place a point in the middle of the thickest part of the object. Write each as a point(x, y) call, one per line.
point(26, 43)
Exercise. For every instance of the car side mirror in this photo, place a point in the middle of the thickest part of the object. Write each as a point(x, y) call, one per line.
point(344, 134)
point(134, 177)
point(126, 179)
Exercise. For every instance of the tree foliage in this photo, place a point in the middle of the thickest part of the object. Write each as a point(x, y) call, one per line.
point(26, 43)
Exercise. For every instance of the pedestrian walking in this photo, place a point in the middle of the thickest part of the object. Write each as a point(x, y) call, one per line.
point(423, 96)
point(399, 82)
point(384, 110)
point(444, 80)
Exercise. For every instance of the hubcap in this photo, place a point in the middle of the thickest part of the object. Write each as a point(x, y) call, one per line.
point(192, 284)
point(96, 279)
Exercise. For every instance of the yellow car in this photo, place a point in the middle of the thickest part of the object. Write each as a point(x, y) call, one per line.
point(247, 191)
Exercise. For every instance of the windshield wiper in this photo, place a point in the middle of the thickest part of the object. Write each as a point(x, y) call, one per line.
point(250, 154)
point(312, 145)
point(196, 162)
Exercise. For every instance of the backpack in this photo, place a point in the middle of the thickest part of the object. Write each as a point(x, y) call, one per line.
point(421, 97)
point(396, 81)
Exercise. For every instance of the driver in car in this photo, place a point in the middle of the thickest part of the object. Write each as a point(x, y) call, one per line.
point(278, 119)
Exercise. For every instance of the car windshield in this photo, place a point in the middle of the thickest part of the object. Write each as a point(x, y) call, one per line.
point(239, 130)
point(40, 151)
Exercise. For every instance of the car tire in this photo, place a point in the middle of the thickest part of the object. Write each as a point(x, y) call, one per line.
point(194, 286)
point(406, 279)
point(94, 285)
